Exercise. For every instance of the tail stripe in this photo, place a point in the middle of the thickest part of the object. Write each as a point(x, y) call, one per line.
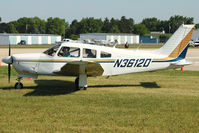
point(182, 45)
point(180, 50)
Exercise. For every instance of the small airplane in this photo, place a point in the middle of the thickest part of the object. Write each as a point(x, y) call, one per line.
point(69, 58)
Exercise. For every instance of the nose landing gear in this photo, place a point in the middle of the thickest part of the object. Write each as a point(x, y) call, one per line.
point(19, 85)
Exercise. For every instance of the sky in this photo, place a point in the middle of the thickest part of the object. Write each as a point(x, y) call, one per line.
point(69, 10)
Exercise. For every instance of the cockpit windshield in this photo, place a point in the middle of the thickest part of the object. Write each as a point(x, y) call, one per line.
point(53, 50)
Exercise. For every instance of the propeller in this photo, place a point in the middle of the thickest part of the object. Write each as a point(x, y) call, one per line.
point(9, 65)
point(9, 73)
point(8, 60)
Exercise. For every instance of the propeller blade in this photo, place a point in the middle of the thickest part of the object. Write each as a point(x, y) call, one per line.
point(9, 65)
point(9, 71)
point(9, 52)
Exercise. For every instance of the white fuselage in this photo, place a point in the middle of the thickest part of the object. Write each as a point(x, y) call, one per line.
point(121, 61)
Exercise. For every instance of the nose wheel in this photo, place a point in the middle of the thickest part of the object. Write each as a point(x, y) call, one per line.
point(19, 85)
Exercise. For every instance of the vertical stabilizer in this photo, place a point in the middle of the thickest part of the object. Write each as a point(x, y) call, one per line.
point(177, 44)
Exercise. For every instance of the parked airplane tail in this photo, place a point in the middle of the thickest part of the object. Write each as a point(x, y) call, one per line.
point(177, 45)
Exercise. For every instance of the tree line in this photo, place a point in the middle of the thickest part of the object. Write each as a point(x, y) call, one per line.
point(59, 26)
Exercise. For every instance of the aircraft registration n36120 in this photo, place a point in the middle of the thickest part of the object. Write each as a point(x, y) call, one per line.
point(86, 60)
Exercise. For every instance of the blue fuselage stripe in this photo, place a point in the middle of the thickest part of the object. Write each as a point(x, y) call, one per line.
point(173, 60)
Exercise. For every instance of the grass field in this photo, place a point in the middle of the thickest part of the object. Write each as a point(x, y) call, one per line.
point(165, 101)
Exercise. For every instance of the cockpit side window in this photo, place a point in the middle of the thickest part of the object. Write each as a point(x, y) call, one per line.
point(89, 53)
point(69, 52)
point(105, 55)
point(52, 51)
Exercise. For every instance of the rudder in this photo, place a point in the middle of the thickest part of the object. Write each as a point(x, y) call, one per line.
point(178, 43)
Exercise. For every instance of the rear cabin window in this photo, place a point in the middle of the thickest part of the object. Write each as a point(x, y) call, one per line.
point(105, 54)
point(69, 52)
point(89, 53)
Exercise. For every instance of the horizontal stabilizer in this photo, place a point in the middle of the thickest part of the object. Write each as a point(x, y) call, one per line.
point(181, 63)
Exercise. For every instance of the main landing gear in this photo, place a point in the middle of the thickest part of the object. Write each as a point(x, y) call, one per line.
point(19, 85)
point(81, 82)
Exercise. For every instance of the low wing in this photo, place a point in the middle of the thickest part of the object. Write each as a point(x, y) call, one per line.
point(76, 68)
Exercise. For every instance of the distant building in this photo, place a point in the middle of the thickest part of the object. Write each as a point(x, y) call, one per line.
point(112, 37)
point(14, 39)
point(148, 39)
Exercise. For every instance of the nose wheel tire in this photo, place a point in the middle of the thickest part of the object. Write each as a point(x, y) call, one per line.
point(18, 85)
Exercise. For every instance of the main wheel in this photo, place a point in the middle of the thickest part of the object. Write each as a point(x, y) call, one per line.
point(77, 83)
point(18, 85)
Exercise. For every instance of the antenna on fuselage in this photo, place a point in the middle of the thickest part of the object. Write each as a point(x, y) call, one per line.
point(139, 45)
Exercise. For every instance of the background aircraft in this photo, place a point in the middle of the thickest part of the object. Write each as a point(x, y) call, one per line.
point(70, 58)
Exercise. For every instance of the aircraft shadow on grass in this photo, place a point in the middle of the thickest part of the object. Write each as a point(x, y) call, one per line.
point(142, 84)
point(51, 87)
point(61, 87)
point(48, 88)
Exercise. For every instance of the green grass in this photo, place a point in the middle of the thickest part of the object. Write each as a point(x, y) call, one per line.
point(164, 101)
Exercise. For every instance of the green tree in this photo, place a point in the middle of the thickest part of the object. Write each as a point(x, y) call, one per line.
point(56, 26)
point(164, 26)
point(126, 25)
point(39, 26)
point(75, 27)
point(24, 25)
point(90, 25)
point(176, 21)
point(3, 27)
point(114, 28)
point(30, 25)
point(151, 23)
point(0, 19)
point(140, 29)
point(106, 28)
point(110, 26)
point(11, 28)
